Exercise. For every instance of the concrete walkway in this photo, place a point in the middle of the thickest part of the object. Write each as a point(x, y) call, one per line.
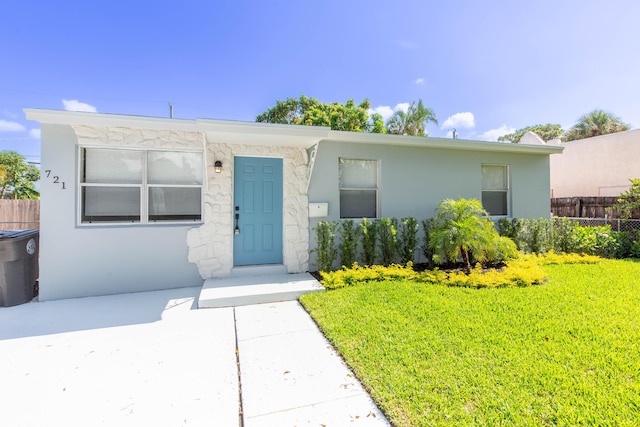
point(153, 359)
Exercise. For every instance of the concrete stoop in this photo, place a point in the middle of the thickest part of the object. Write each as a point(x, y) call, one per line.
point(256, 285)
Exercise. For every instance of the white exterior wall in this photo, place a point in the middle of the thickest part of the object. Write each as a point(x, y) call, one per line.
point(89, 259)
point(84, 260)
point(598, 166)
point(413, 180)
point(211, 245)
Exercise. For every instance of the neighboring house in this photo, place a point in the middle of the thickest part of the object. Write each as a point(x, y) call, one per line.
point(596, 167)
point(138, 203)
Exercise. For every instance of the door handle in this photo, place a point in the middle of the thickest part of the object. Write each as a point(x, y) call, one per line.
point(236, 230)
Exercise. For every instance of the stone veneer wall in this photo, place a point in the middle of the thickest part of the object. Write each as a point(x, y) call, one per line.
point(144, 138)
point(211, 245)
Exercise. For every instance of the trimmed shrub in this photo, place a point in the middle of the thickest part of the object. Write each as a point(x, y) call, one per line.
point(369, 240)
point(326, 245)
point(350, 234)
point(529, 235)
point(624, 244)
point(357, 275)
point(522, 271)
point(388, 240)
point(427, 251)
point(552, 257)
point(563, 234)
point(596, 240)
point(407, 239)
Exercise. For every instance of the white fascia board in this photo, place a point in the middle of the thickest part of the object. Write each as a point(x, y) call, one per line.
point(227, 131)
point(444, 143)
point(112, 120)
point(254, 133)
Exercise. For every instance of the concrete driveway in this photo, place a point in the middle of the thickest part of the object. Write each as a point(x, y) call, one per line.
point(152, 359)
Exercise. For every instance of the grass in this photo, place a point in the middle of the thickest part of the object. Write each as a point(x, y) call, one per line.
point(564, 353)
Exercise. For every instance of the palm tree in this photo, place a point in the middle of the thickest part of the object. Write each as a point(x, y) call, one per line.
point(462, 228)
point(597, 122)
point(411, 122)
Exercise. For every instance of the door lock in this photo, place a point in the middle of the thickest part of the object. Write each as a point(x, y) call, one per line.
point(236, 230)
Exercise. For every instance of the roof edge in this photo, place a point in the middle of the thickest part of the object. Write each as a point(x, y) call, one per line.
point(315, 133)
point(202, 125)
point(445, 143)
point(104, 119)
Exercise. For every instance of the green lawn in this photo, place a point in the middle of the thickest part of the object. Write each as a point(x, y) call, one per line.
point(563, 353)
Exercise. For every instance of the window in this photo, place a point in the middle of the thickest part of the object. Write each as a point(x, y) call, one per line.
point(358, 181)
point(140, 186)
point(495, 189)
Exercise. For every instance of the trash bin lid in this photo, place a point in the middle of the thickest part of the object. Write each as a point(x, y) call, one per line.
point(17, 234)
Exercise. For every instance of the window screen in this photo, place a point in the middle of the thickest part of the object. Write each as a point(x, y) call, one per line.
point(358, 181)
point(495, 189)
point(140, 185)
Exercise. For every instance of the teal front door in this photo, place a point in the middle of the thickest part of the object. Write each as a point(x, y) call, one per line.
point(257, 211)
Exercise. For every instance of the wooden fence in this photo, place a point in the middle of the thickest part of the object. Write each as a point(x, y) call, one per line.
point(19, 214)
point(25, 214)
point(586, 207)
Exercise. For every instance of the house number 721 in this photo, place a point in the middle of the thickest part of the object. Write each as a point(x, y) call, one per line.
point(55, 178)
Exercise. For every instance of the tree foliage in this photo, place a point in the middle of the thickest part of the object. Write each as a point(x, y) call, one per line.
point(290, 111)
point(413, 121)
point(629, 200)
point(17, 177)
point(349, 116)
point(546, 132)
point(595, 123)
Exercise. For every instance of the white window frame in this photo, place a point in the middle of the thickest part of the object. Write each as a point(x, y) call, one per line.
point(506, 190)
point(144, 187)
point(376, 188)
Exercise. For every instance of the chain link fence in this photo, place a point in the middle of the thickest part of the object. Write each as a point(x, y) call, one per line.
point(630, 225)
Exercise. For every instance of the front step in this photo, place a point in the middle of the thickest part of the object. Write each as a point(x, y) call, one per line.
point(256, 289)
point(258, 270)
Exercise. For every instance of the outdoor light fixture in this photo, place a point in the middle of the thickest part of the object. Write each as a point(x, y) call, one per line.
point(218, 166)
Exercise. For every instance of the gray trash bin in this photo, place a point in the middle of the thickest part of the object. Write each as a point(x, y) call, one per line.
point(18, 266)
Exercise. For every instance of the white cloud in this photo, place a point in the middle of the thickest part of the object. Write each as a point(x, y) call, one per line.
point(419, 81)
point(494, 134)
point(460, 120)
point(404, 106)
point(386, 111)
point(75, 105)
point(7, 126)
point(34, 133)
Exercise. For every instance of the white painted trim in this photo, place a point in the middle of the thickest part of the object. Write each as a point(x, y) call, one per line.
point(311, 164)
point(269, 134)
point(446, 143)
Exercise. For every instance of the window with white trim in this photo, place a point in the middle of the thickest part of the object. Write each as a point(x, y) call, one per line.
point(140, 186)
point(358, 182)
point(495, 189)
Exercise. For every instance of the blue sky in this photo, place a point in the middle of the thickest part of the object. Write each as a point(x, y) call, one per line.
point(486, 68)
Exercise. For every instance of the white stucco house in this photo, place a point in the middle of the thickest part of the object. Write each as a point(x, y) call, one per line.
point(134, 203)
point(596, 167)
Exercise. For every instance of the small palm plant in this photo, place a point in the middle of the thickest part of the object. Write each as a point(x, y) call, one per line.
point(461, 229)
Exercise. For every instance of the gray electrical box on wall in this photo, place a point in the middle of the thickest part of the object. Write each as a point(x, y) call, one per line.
point(318, 210)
